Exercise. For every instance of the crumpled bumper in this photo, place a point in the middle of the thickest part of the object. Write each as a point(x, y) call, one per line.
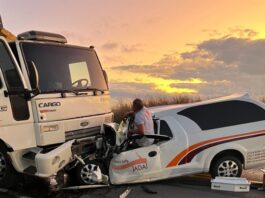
point(50, 163)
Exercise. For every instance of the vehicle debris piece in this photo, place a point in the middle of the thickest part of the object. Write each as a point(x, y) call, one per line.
point(126, 193)
point(233, 184)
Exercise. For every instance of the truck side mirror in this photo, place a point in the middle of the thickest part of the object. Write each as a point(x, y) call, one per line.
point(106, 77)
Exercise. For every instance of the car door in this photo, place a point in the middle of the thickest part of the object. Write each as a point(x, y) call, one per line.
point(137, 165)
point(16, 121)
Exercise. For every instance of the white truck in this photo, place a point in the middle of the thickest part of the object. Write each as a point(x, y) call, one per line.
point(54, 98)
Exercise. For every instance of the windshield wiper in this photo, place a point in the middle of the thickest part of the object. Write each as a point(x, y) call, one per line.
point(95, 90)
point(76, 91)
point(63, 91)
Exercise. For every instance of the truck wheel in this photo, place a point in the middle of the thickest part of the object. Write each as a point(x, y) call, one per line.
point(8, 175)
point(227, 166)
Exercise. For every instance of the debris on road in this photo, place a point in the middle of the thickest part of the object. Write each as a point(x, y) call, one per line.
point(233, 184)
point(126, 193)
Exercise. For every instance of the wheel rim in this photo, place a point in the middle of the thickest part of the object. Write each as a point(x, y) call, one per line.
point(228, 168)
point(88, 174)
point(2, 166)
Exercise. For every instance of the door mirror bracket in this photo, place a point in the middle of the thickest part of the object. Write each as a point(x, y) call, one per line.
point(27, 93)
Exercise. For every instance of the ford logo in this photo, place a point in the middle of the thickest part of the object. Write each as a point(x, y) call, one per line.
point(84, 124)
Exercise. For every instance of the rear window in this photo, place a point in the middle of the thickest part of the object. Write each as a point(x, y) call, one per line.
point(224, 114)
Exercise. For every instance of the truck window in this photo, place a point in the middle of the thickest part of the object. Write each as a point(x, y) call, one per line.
point(8, 68)
point(63, 67)
point(224, 114)
point(14, 50)
point(13, 82)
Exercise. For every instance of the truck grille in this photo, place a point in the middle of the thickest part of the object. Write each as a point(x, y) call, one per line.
point(82, 133)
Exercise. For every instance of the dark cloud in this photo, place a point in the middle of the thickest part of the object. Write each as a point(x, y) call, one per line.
point(133, 90)
point(131, 48)
point(243, 32)
point(246, 54)
point(238, 32)
point(110, 46)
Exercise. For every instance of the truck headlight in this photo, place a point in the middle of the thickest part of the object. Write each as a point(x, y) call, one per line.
point(49, 128)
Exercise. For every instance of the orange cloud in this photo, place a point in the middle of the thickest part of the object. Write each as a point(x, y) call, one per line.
point(157, 83)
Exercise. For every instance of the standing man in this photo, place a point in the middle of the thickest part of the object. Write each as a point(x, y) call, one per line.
point(143, 122)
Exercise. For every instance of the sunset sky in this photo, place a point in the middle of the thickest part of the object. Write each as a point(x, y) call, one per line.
point(151, 47)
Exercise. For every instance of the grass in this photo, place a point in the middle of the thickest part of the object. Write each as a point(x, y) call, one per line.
point(122, 107)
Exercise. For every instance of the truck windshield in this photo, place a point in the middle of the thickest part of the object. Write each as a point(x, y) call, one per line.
point(63, 67)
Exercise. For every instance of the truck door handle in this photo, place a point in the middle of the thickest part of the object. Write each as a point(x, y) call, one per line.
point(152, 154)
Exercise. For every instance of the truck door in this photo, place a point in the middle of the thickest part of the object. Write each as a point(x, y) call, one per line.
point(16, 122)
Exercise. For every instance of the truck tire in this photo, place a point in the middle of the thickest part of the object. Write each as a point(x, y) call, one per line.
point(8, 175)
point(226, 166)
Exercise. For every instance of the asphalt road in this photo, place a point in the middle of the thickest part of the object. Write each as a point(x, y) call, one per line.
point(182, 187)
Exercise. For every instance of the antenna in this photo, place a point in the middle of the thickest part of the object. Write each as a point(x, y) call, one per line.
point(1, 23)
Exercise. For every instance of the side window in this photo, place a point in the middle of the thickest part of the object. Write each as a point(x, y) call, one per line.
point(14, 50)
point(14, 84)
point(224, 114)
point(164, 129)
point(10, 73)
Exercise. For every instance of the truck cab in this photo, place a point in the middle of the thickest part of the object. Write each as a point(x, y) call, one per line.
point(51, 95)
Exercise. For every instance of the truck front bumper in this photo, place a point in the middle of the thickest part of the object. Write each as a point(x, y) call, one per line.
point(50, 163)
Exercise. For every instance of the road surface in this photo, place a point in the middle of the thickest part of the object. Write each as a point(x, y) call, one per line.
point(187, 187)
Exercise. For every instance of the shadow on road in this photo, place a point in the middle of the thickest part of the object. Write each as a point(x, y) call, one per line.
point(179, 187)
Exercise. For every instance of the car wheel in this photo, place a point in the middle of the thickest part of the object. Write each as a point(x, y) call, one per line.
point(87, 174)
point(227, 166)
point(8, 175)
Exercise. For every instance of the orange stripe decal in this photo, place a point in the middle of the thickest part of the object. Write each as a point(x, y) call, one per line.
point(183, 153)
